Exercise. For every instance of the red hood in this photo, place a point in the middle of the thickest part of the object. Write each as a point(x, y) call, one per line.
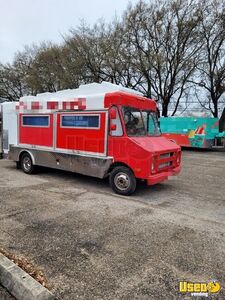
point(155, 144)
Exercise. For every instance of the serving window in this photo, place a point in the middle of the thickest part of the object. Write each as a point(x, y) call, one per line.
point(80, 121)
point(35, 121)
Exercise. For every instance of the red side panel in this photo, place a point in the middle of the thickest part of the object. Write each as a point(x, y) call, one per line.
point(90, 140)
point(40, 136)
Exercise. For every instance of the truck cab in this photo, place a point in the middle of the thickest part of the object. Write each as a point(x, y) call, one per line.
point(136, 144)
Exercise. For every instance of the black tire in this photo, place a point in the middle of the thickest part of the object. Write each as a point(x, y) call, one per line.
point(27, 164)
point(122, 181)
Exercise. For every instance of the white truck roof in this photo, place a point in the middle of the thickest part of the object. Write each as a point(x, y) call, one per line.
point(92, 89)
point(89, 96)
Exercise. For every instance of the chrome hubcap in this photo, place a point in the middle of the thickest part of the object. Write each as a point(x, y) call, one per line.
point(122, 181)
point(27, 163)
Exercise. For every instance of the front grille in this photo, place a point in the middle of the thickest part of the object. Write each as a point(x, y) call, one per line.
point(165, 155)
point(164, 161)
point(166, 164)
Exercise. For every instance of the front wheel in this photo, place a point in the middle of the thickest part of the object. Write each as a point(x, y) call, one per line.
point(122, 181)
point(27, 164)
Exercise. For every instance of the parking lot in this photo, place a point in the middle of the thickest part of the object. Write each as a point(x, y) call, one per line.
point(94, 244)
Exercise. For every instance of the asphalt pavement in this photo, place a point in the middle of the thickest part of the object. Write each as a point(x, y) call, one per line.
point(94, 244)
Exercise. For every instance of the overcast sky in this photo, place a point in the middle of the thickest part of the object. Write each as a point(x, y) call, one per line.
point(23, 22)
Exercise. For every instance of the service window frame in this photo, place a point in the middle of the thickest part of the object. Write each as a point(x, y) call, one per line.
point(36, 115)
point(81, 115)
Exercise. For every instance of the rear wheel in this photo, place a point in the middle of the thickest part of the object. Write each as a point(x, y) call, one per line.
point(27, 164)
point(122, 181)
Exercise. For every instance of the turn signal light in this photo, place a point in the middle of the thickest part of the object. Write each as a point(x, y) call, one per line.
point(153, 165)
point(178, 158)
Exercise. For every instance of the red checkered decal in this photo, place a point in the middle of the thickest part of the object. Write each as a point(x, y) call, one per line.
point(74, 104)
point(52, 105)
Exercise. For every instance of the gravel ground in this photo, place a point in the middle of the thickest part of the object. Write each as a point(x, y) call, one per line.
point(93, 244)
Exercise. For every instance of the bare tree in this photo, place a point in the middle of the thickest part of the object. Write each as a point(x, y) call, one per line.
point(87, 46)
point(163, 35)
point(102, 53)
point(159, 48)
point(47, 72)
point(11, 86)
point(14, 78)
point(210, 72)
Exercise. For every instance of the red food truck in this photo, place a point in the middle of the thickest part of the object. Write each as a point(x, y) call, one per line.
point(98, 130)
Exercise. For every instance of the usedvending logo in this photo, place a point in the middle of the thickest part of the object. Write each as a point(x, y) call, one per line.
point(203, 289)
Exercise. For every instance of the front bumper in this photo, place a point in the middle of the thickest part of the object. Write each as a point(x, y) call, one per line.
point(159, 177)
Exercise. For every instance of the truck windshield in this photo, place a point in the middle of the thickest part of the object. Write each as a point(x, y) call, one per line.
point(151, 123)
point(140, 123)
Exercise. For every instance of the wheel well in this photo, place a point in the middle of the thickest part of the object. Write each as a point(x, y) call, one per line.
point(25, 152)
point(118, 164)
point(21, 154)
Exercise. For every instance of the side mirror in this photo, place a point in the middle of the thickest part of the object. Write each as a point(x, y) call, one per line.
point(112, 114)
point(112, 127)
